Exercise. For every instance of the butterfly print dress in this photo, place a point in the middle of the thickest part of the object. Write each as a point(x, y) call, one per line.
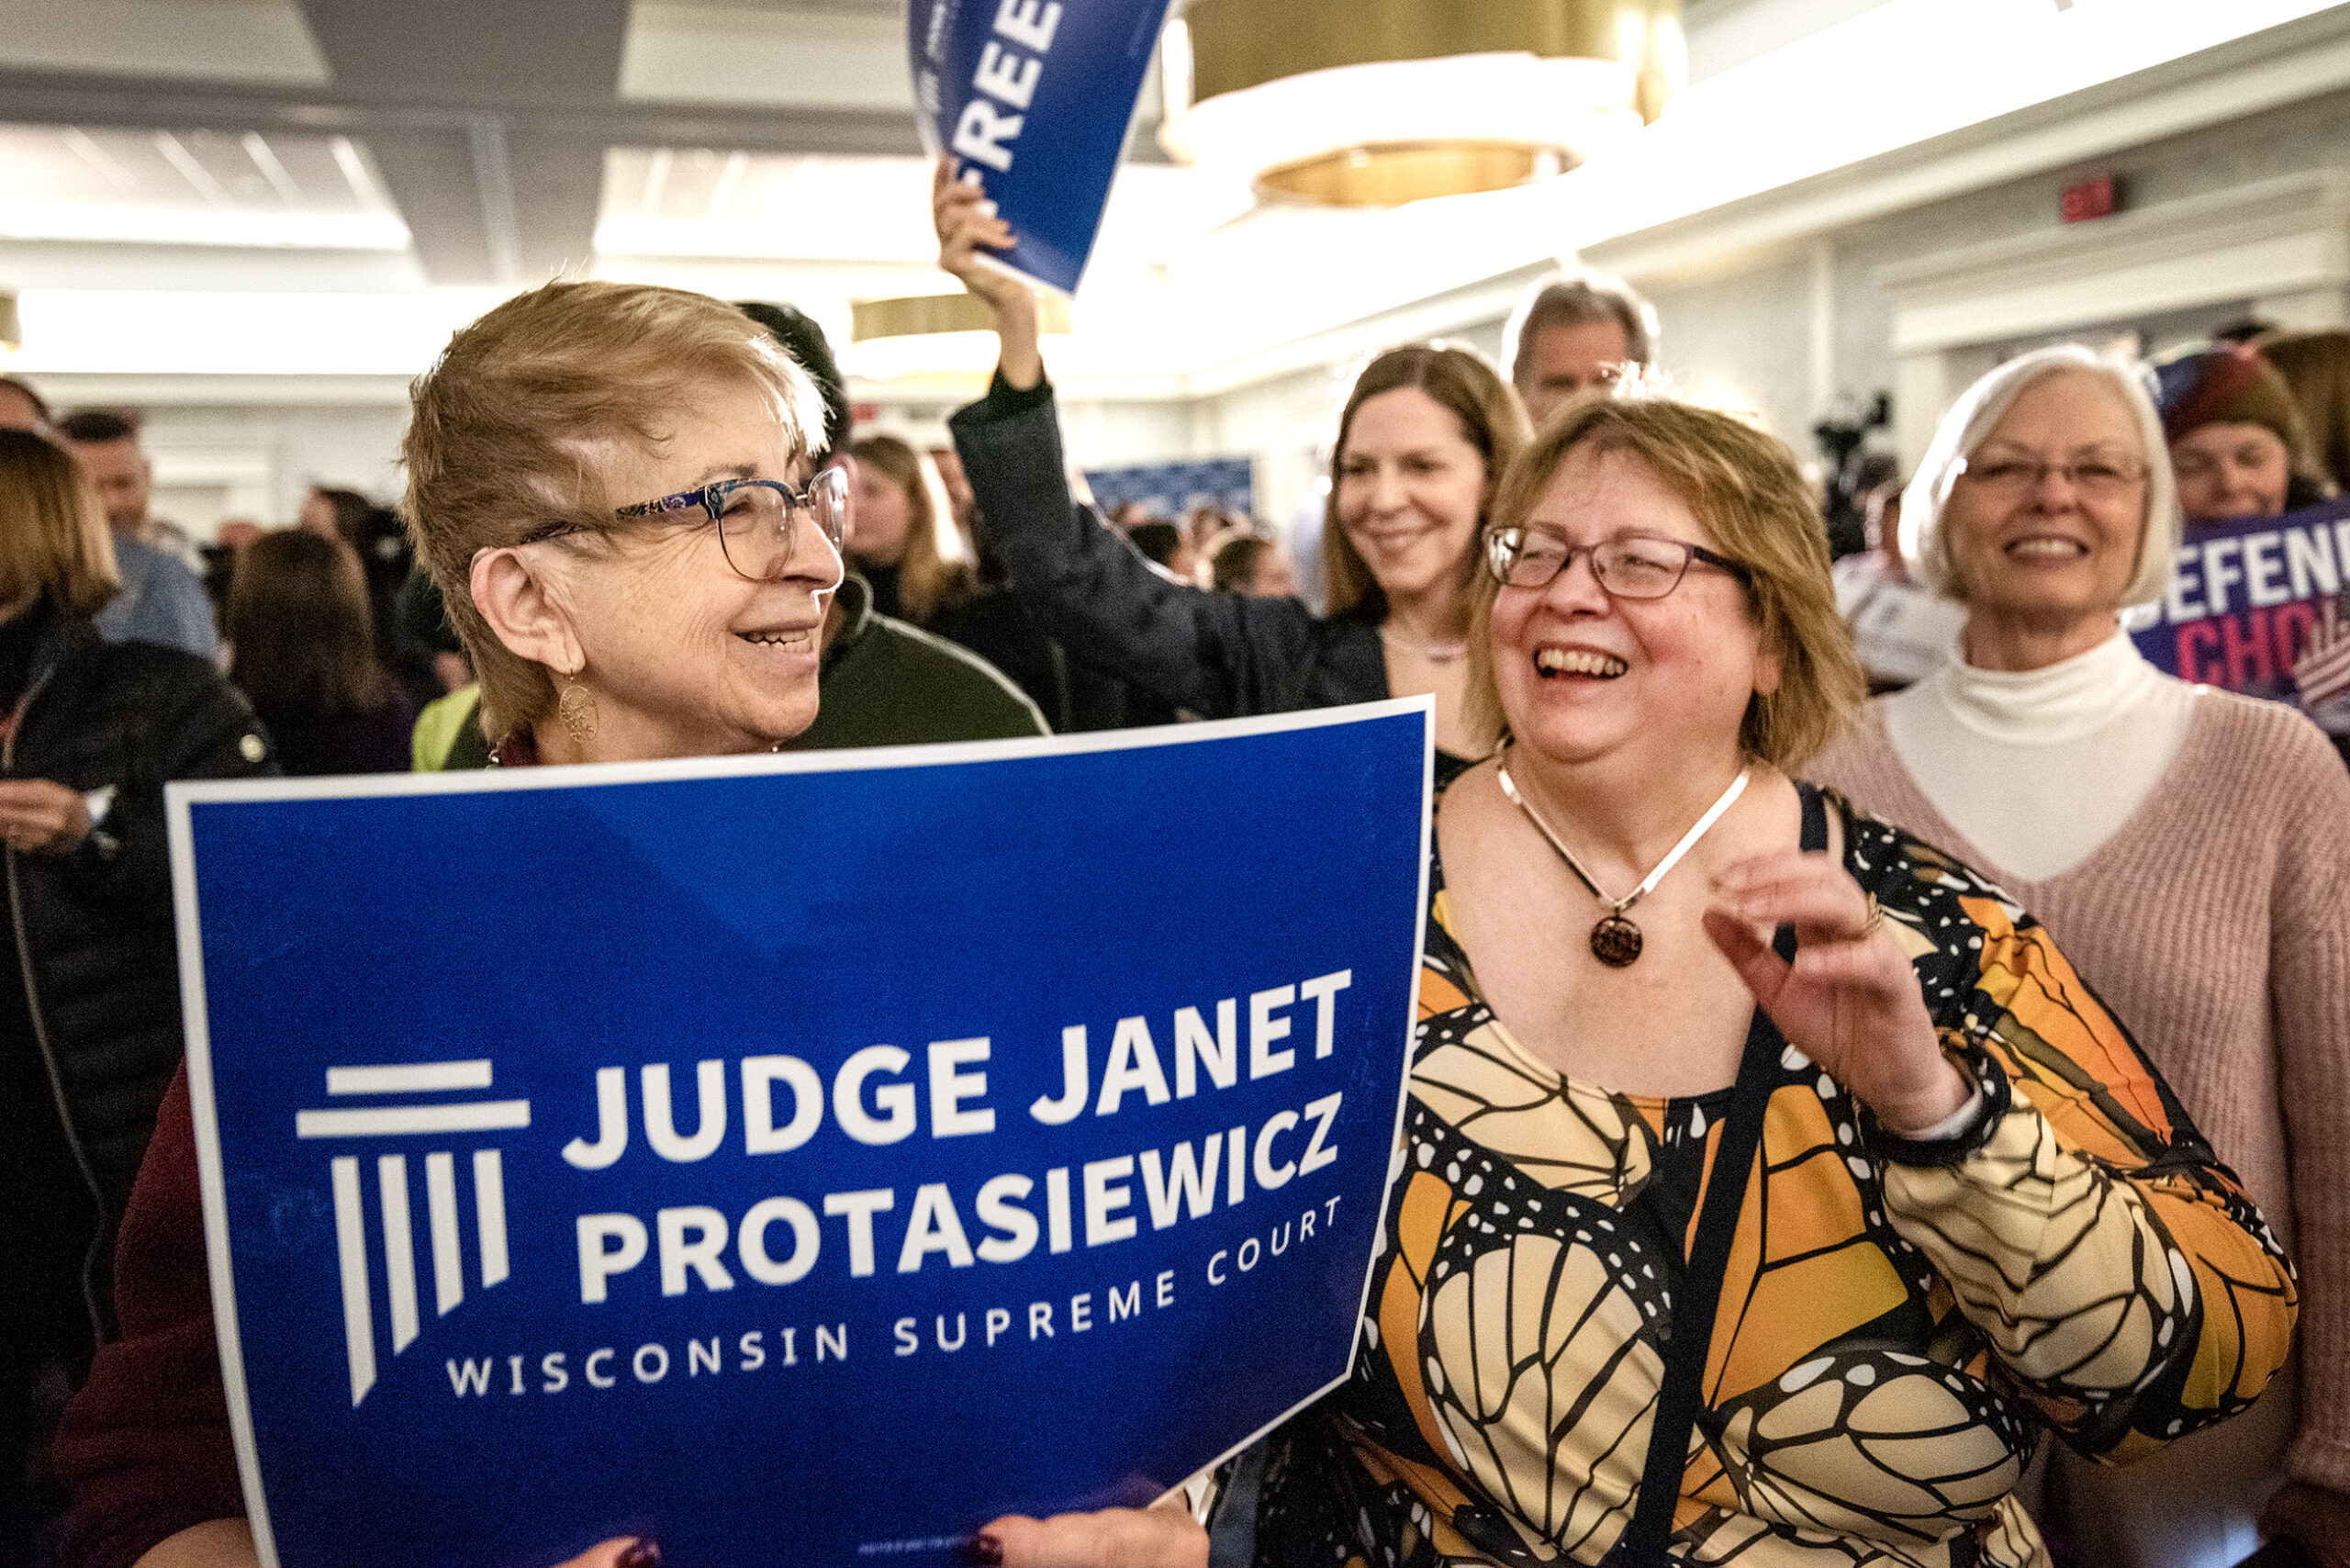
point(1899, 1324)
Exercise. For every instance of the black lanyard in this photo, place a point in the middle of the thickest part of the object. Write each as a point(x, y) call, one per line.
point(1643, 1544)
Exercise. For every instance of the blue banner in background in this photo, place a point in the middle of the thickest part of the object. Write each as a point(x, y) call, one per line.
point(1035, 97)
point(799, 1158)
point(1172, 489)
point(2246, 598)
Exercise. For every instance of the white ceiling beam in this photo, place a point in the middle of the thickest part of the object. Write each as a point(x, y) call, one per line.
point(71, 264)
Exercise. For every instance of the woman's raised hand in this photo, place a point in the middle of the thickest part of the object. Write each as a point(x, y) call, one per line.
point(1849, 1001)
point(1165, 1536)
point(968, 231)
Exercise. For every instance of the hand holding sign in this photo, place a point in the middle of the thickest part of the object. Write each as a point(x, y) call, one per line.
point(229, 1543)
point(970, 233)
point(1037, 94)
point(1163, 1537)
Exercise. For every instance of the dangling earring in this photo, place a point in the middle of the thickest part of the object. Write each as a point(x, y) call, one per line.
point(577, 710)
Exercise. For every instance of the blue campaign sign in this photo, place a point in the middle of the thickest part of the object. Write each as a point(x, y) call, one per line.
point(2246, 597)
point(1035, 97)
point(796, 1159)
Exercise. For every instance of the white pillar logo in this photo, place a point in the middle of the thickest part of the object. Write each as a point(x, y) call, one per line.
point(392, 1191)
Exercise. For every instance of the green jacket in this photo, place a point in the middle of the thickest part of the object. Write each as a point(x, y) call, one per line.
point(886, 683)
point(883, 683)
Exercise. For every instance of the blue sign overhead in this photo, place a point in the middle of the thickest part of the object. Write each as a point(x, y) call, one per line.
point(1033, 98)
point(802, 1157)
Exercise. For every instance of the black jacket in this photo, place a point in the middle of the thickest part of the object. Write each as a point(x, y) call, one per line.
point(1218, 654)
point(93, 929)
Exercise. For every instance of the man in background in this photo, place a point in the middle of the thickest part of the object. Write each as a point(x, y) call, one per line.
point(162, 600)
point(1573, 337)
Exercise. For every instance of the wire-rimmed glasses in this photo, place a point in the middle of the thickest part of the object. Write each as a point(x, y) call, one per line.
point(1631, 566)
point(758, 520)
point(2014, 475)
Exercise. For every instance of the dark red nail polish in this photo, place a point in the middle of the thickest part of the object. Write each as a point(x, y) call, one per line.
point(983, 1549)
point(644, 1552)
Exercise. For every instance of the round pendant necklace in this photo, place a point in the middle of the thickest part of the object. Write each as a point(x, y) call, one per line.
point(1435, 652)
point(1615, 941)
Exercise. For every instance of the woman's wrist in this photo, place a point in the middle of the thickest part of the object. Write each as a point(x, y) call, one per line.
point(1022, 361)
point(1939, 1111)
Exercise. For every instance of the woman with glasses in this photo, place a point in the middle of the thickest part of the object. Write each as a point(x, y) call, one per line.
point(2189, 848)
point(611, 487)
point(1768, 1179)
point(1423, 437)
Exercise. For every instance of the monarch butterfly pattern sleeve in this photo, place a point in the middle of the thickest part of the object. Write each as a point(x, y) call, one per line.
point(2115, 1269)
point(1897, 1320)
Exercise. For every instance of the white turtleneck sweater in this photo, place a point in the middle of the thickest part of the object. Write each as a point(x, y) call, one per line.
point(2038, 770)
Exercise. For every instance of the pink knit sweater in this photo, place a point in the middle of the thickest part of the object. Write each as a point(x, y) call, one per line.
point(2216, 925)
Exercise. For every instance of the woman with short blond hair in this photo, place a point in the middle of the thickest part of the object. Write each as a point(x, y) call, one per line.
point(1768, 1180)
point(615, 488)
point(538, 426)
point(89, 995)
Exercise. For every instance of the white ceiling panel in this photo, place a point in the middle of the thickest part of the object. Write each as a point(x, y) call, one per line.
point(161, 187)
point(720, 52)
point(251, 41)
point(699, 202)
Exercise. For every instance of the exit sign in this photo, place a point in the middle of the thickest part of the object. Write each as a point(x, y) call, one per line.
point(2091, 198)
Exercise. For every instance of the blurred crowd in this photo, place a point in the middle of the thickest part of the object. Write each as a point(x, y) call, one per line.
point(1507, 540)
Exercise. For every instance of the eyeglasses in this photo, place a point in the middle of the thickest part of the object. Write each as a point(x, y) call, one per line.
point(2018, 476)
point(758, 520)
point(1633, 567)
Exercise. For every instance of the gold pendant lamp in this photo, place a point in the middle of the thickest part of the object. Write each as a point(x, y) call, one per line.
point(937, 336)
point(1376, 103)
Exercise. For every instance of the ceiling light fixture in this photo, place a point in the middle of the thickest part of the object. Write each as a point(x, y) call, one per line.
point(1376, 103)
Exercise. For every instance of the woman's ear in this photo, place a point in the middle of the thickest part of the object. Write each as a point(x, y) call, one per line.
point(524, 609)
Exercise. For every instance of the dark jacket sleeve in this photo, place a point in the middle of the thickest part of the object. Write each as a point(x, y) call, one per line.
point(1218, 654)
point(145, 1446)
point(197, 726)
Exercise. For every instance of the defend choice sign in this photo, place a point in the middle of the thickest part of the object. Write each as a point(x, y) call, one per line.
point(1034, 97)
point(2244, 599)
point(796, 1158)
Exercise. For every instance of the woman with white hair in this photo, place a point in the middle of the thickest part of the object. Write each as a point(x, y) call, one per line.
point(2189, 847)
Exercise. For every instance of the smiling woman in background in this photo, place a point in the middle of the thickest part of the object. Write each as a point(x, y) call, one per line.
point(1423, 440)
point(613, 488)
point(2189, 848)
